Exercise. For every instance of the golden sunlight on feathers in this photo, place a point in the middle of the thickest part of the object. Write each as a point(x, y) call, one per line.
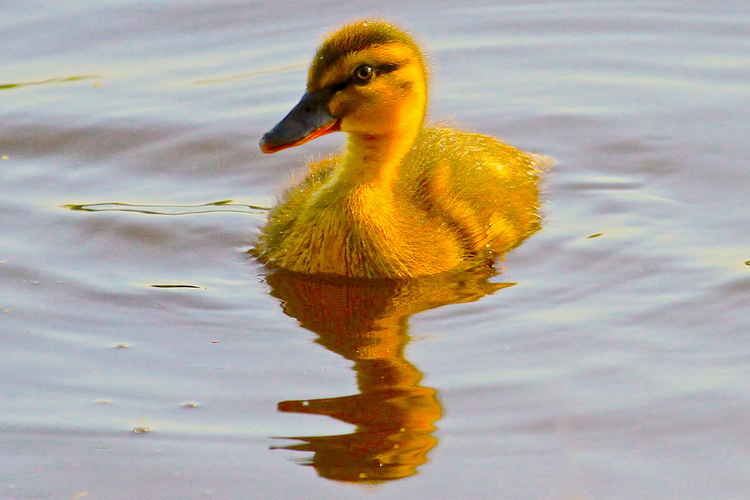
point(402, 200)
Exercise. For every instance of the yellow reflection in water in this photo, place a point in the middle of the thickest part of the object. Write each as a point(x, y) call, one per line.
point(67, 79)
point(366, 322)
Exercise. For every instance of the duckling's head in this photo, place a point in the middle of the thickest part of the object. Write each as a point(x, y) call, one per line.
point(368, 78)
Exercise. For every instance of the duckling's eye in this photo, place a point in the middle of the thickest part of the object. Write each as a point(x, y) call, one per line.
point(363, 74)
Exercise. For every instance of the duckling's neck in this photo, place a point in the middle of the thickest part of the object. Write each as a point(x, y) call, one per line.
point(373, 160)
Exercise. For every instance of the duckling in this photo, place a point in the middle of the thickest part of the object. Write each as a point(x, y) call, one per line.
point(403, 199)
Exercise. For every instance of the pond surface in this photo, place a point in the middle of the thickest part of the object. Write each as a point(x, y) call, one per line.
point(146, 355)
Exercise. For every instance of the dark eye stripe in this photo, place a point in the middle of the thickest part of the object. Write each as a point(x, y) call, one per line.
point(379, 70)
point(339, 86)
point(386, 68)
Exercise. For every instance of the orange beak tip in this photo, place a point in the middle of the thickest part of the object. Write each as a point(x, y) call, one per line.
point(269, 148)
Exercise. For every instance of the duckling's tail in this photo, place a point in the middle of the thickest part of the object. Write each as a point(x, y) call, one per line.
point(542, 163)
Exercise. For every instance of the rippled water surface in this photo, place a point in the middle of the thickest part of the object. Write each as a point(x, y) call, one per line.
point(146, 355)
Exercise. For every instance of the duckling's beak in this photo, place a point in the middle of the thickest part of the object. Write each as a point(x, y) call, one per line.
point(308, 120)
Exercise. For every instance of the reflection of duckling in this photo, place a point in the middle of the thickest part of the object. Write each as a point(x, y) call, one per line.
point(366, 322)
point(403, 200)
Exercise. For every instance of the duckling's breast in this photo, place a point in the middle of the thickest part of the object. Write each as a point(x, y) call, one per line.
point(368, 233)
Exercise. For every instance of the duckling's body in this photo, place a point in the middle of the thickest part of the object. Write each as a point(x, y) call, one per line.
point(403, 200)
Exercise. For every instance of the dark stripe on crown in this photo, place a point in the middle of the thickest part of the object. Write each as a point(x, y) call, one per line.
point(353, 38)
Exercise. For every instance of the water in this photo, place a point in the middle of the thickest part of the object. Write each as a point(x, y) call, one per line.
point(608, 359)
